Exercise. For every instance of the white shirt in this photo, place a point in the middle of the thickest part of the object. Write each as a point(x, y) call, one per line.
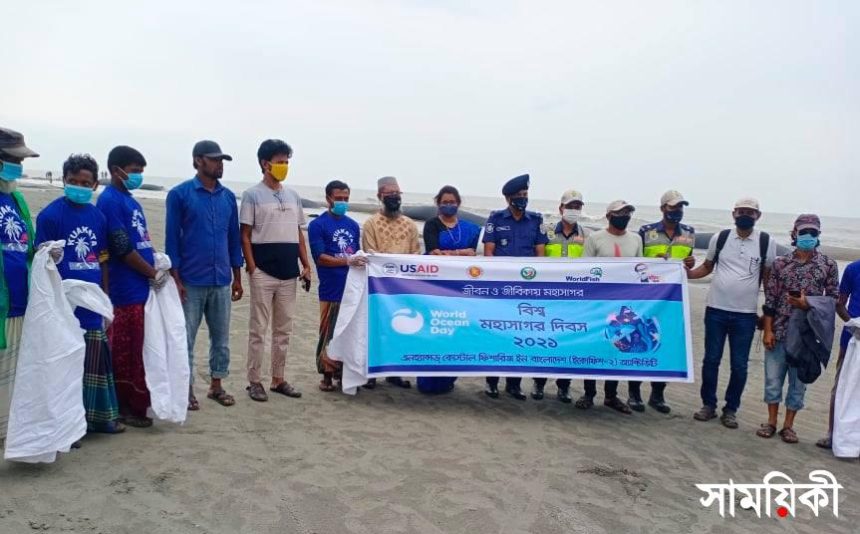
point(735, 284)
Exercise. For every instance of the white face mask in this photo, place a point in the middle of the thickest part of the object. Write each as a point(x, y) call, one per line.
point(571, 216)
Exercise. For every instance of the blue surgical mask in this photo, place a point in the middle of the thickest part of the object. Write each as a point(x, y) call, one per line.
point(806, 242)
point(674, 216)
point(10, 171)
point(520, 203)
point(134, 181)
point(448, 210)
point(340, 208)
point(78, 194)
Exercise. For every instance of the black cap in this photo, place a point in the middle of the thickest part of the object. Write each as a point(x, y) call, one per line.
point(515, 185)
point(209, 149)
point(12, 143)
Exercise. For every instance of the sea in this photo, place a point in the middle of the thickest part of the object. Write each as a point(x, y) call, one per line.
point(841, 232)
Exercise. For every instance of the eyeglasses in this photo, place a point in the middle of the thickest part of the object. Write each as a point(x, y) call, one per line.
point(282, 206)
point(808, 231)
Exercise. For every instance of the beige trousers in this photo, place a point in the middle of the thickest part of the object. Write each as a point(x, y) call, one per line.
point(273, 302)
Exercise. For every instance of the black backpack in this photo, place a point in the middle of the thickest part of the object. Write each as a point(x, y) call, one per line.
point(763, 243)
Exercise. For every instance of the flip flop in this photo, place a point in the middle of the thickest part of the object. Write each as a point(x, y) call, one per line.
point(193, 405)
point(137, 422)
point(221, 397)
point(824, 443)
point(284, 388)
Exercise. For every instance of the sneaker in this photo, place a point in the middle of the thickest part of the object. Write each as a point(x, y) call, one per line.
point(659, 405)
point(636, 404)
point(616, 404)
point(705, 414)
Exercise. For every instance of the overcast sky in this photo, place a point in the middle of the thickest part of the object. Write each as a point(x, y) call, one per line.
point(718, 99)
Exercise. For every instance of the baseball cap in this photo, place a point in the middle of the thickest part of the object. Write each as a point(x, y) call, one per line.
point(570, 196)
point(209, 149)
point(673, 198)
point(12, 143)
point(806, 221)
point(618, 205)
point(747, 202)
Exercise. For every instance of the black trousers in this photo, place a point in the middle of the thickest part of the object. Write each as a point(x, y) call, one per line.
point(657, 389)
point(562, 383)
point(610, 388)
point(511, 381)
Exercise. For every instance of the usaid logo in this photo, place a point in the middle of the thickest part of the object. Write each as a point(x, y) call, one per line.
point(407, 322)
point(389, 268)
point(419, 269)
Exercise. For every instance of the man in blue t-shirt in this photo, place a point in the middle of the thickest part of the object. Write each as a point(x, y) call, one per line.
point(15, 240)
point(131, 273)
point(848, 307)
point(73, 219)
point(334, 239)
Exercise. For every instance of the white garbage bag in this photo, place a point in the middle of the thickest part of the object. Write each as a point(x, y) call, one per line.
point(349, 342)
point(846, 411)
point(165, 350)
point(47, 412)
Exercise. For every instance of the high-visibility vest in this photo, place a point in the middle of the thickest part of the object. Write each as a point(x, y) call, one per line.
point(656, 243)
point(561, 247)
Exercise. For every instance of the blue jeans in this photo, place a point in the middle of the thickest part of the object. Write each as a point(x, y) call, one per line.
point(212, 302)
point(775, 371)
point(740, 329)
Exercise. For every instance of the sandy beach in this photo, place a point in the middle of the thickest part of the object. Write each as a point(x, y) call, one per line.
point(393, 460)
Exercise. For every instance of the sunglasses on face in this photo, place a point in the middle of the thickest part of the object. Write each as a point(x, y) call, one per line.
point(809, 231)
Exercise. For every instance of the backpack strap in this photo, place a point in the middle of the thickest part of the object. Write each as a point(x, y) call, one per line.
point(721, 242)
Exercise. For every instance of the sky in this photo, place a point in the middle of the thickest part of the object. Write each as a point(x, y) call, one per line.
point(618, 99)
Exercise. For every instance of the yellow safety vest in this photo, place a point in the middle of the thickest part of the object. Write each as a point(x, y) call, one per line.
point(561, 247)
point(656, 244)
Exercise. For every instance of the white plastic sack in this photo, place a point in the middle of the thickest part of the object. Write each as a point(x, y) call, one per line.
point(846, 412)
point(349, 342)
point(165, 350)
point(47, 413)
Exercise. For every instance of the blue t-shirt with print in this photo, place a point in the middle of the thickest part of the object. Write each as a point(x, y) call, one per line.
point(15, 241)
point(123, 213)
point(850, 286)
point(338, 237)
point(84, 229)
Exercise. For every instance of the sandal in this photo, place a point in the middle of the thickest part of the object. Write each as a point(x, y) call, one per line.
point(221, 397)
point(788, 435)
point(256, 392)
point(193, 405)
point(585, 402)
point(327, 386)
point(399, 382)
point(284, 388)
point(136, 422)
point(111, 427)
point(766, 431)
point(618, 405)
point(824, 443)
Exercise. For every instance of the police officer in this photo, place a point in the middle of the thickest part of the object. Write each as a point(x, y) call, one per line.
point(567, 240)
point(671, 240)
point(516, 232)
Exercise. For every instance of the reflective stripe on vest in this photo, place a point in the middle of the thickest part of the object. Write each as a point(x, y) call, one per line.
point(678, 252)
point(554, 250)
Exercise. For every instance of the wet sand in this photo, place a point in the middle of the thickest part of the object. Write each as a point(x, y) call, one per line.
point(392, 460)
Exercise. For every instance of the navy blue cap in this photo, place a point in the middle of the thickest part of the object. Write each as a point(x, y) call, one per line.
point(515, 185)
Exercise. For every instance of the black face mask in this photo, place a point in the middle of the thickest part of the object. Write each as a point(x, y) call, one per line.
point(744, 222)
point(391, 203)
point(619, 221)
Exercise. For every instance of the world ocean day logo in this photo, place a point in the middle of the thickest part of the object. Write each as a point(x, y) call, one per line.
point(407, 322)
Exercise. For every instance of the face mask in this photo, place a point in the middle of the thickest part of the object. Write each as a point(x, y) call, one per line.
point(133, 180)
point(448, 210)
point(10, 171)
point(806, 242)
point(78, 194)
point(279, 171)
point(520, 203)
point(391, 203)
point(571, 216)
point(340, 207)
point(744, 222)
point(674, 216)
point(619, 221)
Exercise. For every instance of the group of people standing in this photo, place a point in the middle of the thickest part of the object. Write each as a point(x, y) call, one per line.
point(210, 237)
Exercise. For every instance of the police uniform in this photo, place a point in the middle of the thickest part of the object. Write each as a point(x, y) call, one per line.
point(562, 246)
point(514, 238)
point(656, 243)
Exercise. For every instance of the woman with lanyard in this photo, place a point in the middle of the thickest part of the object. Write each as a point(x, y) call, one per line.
point(447, 235)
